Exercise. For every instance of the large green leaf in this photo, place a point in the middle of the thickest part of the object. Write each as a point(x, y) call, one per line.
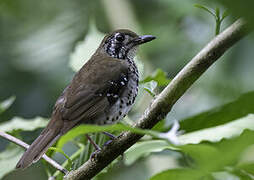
point(84, 129)
point(202, 154)
point(220, 115)
point(18, 123)
point(144, 148)
point(247, 167)
point(211, 157)
point(9, 158)
point(215, 134)
point(181, 174)
point(215, 156)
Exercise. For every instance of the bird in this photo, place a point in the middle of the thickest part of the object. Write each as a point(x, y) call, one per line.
point(101, 92)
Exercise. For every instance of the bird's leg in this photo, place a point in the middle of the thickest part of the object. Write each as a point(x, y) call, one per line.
point(111, 136)
point(97, 148)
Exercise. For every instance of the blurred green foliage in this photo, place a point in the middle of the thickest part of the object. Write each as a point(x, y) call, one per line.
point(221, 115)
point(218, 16)
point(42, 42)
point(6, 104)
point(8, 158)
point(159, 76)
point(20, 124)
point(210, 158)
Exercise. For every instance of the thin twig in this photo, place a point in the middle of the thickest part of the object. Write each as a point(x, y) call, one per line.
point(24, 145)
point(164, 101)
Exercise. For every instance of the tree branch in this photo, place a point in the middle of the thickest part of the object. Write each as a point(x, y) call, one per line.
point(24, 145)
point(164, 101)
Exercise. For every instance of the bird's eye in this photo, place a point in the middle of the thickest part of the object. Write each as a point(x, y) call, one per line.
point(120, 38)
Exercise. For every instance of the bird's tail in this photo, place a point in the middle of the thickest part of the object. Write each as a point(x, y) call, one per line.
point(36, 150)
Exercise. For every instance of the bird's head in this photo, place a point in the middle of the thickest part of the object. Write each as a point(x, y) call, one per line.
point(123, 43)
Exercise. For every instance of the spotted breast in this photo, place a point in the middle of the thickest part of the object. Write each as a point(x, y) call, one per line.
point(122, 94)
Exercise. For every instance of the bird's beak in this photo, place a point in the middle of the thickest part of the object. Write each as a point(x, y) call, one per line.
point(143, 39)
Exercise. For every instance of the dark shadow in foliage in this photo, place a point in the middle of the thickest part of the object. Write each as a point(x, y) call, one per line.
point(240, 9)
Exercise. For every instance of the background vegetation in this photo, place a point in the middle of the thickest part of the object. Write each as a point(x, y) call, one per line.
point(43, 43)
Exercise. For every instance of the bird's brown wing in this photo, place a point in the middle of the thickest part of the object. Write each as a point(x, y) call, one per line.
point(83, 100)
point(86, 97)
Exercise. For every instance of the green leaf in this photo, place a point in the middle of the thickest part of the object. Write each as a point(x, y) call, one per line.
point(85, 129)
point(181, 174)
point(150, 87)
point(242, 174)
point(18, 123)
point(206, 9)
point(202, 154)
point(9, 158)
point(85, 49)
point(6, 104)
point(218, 21)
point(207, 155)
point(161, 126)
point(216, 16)
point(227, 175)
point(224, 15)
point(142, 149)
point(247, 167)
point(214, 134)
point(217, 13)
point(210, 158)
point(220, 115)
point(159, 76)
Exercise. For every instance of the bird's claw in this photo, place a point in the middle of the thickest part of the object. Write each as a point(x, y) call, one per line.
point(107, 143)
point(94, 154)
